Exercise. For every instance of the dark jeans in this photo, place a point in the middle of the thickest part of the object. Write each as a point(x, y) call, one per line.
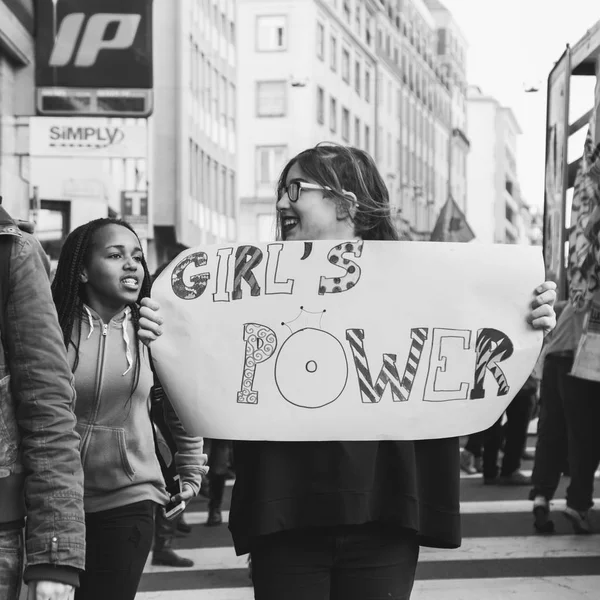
point(518, 415)
point(219, 462)
point(582, 410)
point(551, 446)
point(11, 563)
point(475, 443)
point(118, 543)
point(358, 562)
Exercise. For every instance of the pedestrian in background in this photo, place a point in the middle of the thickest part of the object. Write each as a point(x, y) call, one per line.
point(219, 462)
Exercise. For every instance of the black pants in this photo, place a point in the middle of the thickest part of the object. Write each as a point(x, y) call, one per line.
point(118, 543)
point(358, 562)
point(551, 446)
point(475, 443)
point(582, 410)
point(518, 415)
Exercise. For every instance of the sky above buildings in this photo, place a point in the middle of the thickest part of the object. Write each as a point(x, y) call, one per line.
point(514, 44)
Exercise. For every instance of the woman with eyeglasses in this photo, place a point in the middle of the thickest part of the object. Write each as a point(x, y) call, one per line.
point(343, 520)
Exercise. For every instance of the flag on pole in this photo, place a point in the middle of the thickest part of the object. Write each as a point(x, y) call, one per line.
point(451, 225)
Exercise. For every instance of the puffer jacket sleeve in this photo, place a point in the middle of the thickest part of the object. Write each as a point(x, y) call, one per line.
point(190, 460)
point(42, 386)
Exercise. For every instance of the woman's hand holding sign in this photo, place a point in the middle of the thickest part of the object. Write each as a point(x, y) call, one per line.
point(542, 315)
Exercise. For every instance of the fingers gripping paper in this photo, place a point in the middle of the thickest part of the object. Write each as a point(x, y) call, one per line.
point(346, 341)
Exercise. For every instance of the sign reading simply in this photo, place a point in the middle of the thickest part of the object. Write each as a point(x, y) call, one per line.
point(346, 340)
point(91, 137)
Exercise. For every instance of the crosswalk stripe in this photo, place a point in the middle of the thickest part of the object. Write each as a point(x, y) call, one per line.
point(565, 588)
point(508, 506)
point(466, 508)
point(198, 517)
point(463, 475)
point(526, 472)
point(489, 548)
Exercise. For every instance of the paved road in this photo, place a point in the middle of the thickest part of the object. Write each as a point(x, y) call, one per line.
point(501, 557)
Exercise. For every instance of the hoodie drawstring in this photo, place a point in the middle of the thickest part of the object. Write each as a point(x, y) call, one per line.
point(128, 354)
point(90, 321)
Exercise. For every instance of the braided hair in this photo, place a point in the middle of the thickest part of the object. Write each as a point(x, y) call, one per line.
point(68, 290)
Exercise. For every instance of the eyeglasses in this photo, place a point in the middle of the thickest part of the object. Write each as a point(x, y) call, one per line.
point(294, 188)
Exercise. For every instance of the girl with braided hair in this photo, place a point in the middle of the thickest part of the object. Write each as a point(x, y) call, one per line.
point(100, 281)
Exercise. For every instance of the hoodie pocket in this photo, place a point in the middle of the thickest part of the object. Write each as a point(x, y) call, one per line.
point(105, 463)
point(9, 433)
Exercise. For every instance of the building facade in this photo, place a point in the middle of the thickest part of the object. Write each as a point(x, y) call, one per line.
point(496, 210)
point(358, 72)
point(17, 54)
point(193, 128)
point(451, 50)
point(307, 73)
point(424, 116)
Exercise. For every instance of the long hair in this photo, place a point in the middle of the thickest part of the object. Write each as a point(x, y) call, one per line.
point(68, 290)
point(344, 168)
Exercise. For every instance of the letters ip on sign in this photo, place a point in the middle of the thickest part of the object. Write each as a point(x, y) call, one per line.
point(94, 57)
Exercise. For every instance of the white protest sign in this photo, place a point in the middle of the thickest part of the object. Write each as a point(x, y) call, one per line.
point(346, 341)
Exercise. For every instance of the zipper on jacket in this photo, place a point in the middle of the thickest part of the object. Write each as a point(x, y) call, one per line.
point(97, 392)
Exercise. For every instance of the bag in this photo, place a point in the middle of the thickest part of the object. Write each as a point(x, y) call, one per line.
point(157, 417)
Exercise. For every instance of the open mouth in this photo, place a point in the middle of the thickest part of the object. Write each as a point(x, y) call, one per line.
point(288, 223)
point(130, 283)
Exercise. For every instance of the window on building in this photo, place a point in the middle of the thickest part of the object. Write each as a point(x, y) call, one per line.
point(367, 141)
point(369, 30)
point(346, 10)
point(357, 77)
point(345, 124)
point(332, 115)
point(358, 17)
point(441, 41)
point(271, 33)
point(270, 98)
point(192, 166)
point(346, 65)
point(357, 132)
point(321, 41)
point(320, 105)
point(333, 53)
point(269, 162)
point(367, 85)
